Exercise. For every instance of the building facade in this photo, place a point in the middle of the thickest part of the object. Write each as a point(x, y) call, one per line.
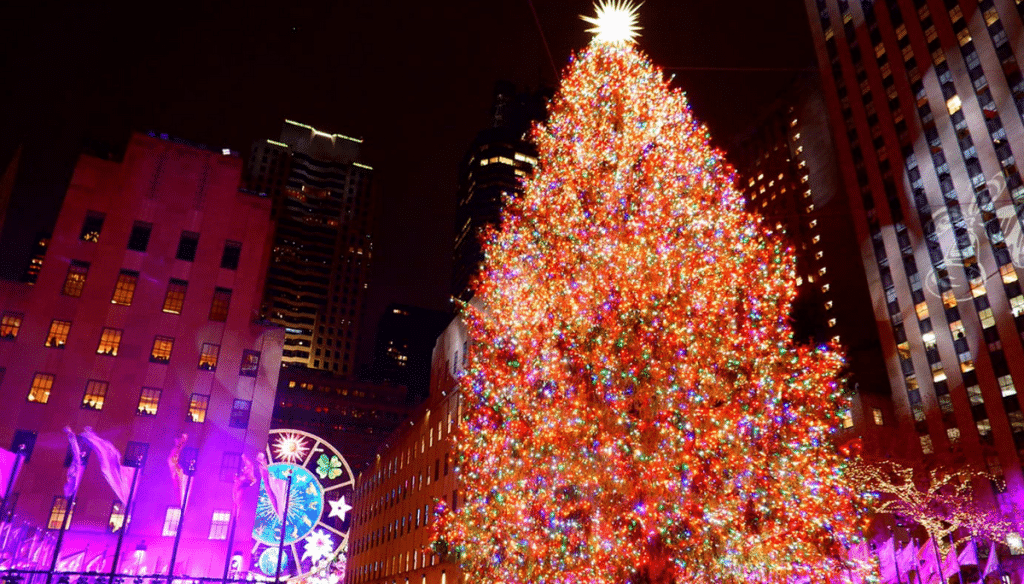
point(141, 326)
point(500, 158)
point(355, 416)
point(319, 272)
point(404, 345)
point(926, 99)
point(396, 496)
point(786, 166)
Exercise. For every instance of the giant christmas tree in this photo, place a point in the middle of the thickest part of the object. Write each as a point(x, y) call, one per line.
point(638, 410)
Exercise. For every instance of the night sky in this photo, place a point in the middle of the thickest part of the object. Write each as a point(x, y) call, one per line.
point(413, 79)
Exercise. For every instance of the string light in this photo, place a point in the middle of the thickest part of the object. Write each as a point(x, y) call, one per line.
point(637, 407)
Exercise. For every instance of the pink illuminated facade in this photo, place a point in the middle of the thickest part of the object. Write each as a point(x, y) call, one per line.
point(141, 326)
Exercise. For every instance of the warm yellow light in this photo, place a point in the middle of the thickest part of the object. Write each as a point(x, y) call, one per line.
point(615, 22)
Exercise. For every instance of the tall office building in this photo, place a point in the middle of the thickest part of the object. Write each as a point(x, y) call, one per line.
point(786, 166)
point(7, 179)
point(403, 347)
point(141, 325)
point(926, 99)
point(499, 159)
point(322, 243)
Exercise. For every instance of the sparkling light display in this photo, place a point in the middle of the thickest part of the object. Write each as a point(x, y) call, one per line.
point(637, 408)
point(615, 22)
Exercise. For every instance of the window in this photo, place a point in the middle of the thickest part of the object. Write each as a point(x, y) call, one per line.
point(124, 289)
point(10, 324)
point(208, 358)
point(219, 306)
point(139, 239)
point(1006, 386)
point(58, 335)
point(232, 253)
point(197, 407)
point(39, 392)
point(219, 524)
point(161, 352)
point(116, 517)
point(847, 418)
point(58, 511)
point(95, 393)
point(926, 444)
point(75, 280)
point(110, 340)
point(230, 462)
point(250, 363)
point(171, 519)
point(135, 453)
point(240, 413)
point(92, 226)
point(876, 413)
point(149, 401)
point(175, 298)
point(187, 246)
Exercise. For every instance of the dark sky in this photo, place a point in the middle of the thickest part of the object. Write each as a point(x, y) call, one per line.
point(413, 79)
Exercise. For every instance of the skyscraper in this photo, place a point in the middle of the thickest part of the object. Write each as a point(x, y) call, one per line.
point(499, 158)
point(925, 98)
point(787, 168)
point(403, 347)
point(322, 243)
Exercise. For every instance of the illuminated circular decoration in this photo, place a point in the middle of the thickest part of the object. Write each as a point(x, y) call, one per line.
point(319, 505)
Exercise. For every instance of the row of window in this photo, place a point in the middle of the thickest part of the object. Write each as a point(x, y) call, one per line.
point(138, 240)
point(219, 523)
point(95, 396)
point(124, 291)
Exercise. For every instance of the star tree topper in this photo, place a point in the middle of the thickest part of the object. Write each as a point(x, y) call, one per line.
point(615, 22)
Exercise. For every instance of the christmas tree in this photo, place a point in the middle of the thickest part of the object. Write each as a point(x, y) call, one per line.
point(638, 410)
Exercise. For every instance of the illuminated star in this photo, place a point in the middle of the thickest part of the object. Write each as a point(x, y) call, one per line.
point(615, 22)
point(318, 545)
point(290, 448)
point(339, 508)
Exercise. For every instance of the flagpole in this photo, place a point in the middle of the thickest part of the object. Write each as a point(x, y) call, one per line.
point(60, 535)
point(938, 558)
point(127, 521)
point(231, 541)
point(181, 520)
point(284, 525)
point(956, 558)
point(10, 480)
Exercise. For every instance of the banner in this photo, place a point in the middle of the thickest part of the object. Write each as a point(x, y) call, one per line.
point(177, 474)
point(75, 469)
point(118, 477)
point(992, 564)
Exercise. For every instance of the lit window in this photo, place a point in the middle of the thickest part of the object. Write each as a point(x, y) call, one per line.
point(1015, 542)
point(10, 324)
point(124, 289)
point(1017, 305)
point(816, 239)
point(58, 511)
point(171, 519)
point(926, 444)
point(39, 392)
point(987, 320)
point(822, 271)
point(116, 519)
point(219, 524)
point(953, 434)
point(197, 407)
point(948, 299)
point(208, 358)
point(95, 393)
point(835, 339)
point(174, 301)
point(828, 305)
point(221, 302)
point(75, 280)
point(977, 287)
point(149, 401)
point(953, 104)
point(903, 349)
point(139, 238)
point(240, 413)
point(963, 37)
point(799, 280)
point(232, 253)
point(91, 226)
point(847, 418)
point(250, 363)
point(876, 414)
point(1008, 273)
point(831, 322)
point(824, 288)
point(957, 328)
point(187, 246)
point(922, 310)
point(750, 182)
point(1006, 387)
point(929, 339)
point(818, 255)
point(939, 374)
point(58, 335)
point(162, 347)
point(110, 340)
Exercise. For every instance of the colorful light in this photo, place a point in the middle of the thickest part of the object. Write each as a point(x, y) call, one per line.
point(638, 409)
